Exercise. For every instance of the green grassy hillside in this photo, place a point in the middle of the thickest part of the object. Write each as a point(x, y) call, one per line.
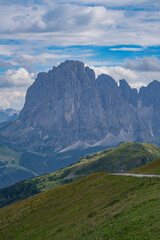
point(11, 170)
point(16, 166)
point(124, 157)
point(97, 206)
point(8, 156)
point(150, 168)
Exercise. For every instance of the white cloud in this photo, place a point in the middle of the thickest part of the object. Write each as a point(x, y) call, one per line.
point(117, 73)
point(18, 78)
point(21, 18)
point(72, 18)
point(137, 85)
point(42, 58)
point(145, 64)
point(12, 98)
point(110, 3)
point(8, 50)
point(13, 87)
point(127, 49)
point(73, 24)
point(5, 64)
point(137, 75)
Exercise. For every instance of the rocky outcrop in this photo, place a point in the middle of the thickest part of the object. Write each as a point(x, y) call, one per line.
point(150, 99)
point(68, 105)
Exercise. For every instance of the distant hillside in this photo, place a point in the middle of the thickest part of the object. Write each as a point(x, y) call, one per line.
point(125, 157)
point(16, 166)
point(150, 168)
point(8, 114)
point(10, 169)
point(98, 206)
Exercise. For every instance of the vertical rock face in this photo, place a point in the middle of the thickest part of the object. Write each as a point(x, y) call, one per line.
point(129, 95)
point(150, 98)
point(68, 105)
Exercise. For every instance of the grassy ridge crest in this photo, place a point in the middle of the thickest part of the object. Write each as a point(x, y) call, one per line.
point(125, 157)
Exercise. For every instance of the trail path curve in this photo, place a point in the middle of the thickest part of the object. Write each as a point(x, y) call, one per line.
point(135, 175)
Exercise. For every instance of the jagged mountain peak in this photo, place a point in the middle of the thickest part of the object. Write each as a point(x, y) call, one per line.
point(106, 79)
point(69, 71)
point(129, 94)
point(154, 83)
point(71, 63)
point(68, 105)
point(124, 83)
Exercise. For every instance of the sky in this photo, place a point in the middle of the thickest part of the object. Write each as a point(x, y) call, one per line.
point(120, 38)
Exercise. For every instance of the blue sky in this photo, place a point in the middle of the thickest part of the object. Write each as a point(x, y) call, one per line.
point(119, 38)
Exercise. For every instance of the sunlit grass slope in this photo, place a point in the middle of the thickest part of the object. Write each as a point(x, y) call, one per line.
point(125, 157)
point(150, 168)
point(97, 206)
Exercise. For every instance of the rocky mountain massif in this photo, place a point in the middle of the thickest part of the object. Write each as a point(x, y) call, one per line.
point(68, 108)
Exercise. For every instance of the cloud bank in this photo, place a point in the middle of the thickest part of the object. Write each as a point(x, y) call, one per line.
point(16, 78)
point(137, 73)
point(13, 86)
point(82, 22)
point(35, 35)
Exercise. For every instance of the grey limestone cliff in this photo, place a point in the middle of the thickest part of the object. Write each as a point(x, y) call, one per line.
point(69, 107)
